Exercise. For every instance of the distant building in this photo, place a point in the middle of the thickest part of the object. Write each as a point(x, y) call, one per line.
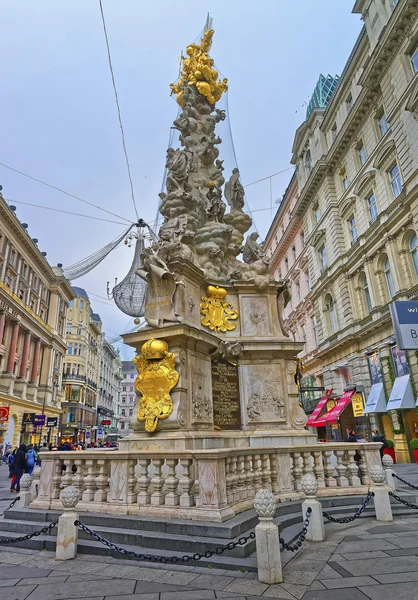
point(127, 397)
point(34, 299)
point(108, 392)
point(81, 370)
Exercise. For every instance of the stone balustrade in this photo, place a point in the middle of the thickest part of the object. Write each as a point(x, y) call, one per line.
point(211, 485)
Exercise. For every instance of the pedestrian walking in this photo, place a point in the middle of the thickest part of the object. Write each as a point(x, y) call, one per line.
point(351, 435)
point(377, 437)
point(31, 457)
point(20, 466)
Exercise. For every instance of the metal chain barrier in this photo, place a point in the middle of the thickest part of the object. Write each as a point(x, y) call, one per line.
point(405, 502)
point(10, 506)
point(414, 487)
point(301, 538)
point(356, 514)
point(163, 559)
point(47, 529)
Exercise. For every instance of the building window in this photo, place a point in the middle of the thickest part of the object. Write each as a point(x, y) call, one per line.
point(362, 154)
point(131, 412)
point(303, 328)
point(79, 329)
point(294, 253)
point(70, 349)
point(332, 315)
point(286, 264)
point(413, 246)
point(395, 180)
point(69, 327)
point(317, 213)
point(308, 281)
point(334, 131)
point(353, 229)
point(349, 102)
point(367, 294)
point(383, 124)
point(344, 180)
point(302, 239)
point(131, 388)
point(132, 375)
point(308, 161)
point(124, 388)
point(131, 399)
point(81, 303)
point(122, 425)
point(298, 291)
point(315, 330)
point(414, 59)
point(372, 206)
point(123, 399)
point(323, 258)
point(388, 277)
point(123, 412)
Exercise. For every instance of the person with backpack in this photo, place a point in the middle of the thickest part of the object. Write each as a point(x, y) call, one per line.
point(31, 458)
point(19, 468)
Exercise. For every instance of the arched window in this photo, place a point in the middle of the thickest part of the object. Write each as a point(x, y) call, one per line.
point(367, 294)
point(332, 315)
point(413, 246)
point(388, 277)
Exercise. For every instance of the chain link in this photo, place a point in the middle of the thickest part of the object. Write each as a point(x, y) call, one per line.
point(47, 529)
point(405, 502)
point(164, 559)
point(10, 506)
point(414, 487)
point(301, 538)
point(356, 515)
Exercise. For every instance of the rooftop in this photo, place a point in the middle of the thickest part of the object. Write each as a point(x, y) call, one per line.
point(323, 92)
point(80, 293)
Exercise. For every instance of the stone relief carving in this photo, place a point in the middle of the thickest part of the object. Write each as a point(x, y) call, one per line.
point(231, 351)
point(264, 392)
point(255, 316)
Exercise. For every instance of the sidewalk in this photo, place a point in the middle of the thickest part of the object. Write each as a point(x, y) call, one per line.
point(358, 561)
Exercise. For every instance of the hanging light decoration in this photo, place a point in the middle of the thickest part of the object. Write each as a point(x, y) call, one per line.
point(129, 295)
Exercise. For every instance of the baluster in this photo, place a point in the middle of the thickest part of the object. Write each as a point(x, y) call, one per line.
point(78, 479)
point(144, 496)
point(342, 480)
point(132, 495)
point(249, 491)
point(297, 470)
point(56, 479)
point(265, 472)
point(100, 495)
point(229, 481)
point(329, 470)
point(186, 484)
point(157, 482)
point(257, 472)
point(234, 479)
point(274, 473)
point(307, 463)
point(172, 498)
point(365, 477)
point(67, 478)
point(319, 469)
point(89, 481)
point(352, 468)
point(241, 478)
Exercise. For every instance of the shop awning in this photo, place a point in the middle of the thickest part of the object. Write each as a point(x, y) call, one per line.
point(376, 401)
point(317, 411)
point(401, 395)
point(333, 414)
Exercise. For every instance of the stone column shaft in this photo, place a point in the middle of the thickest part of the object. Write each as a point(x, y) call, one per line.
point(35, 362)
point(25, 354)
point(12, 348)
point(2, 325)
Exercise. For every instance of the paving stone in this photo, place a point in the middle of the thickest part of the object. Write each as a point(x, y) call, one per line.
point(317, 585)
point(145, 587)
point(365, 546)
point(329, 573)
point(290, 589)
point(400, 591)
point(155, 596)
point(405, 542)
point(376, 566)
point(381, 529)
point(8, 582)
point(206, 570)
point(110, 587)
point(348, 594)
point(146, 574)
point(367, 555)
point(337, 566)
point(19, 571)
point(211, 582)
point(176, 577)
point(304, 577)
point(39, 580)
point(16, 592)
point(228, 595)
point(397, 577)
point(191, 595)
point(403, 552)
point(246, 586)
point(84, 577)
point(333, 584)
point(351, 538)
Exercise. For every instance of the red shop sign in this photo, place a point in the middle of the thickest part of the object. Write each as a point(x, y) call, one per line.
point(4, 414)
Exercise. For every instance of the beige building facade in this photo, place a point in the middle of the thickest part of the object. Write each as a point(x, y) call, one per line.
point(356, 165)
point(34, 299)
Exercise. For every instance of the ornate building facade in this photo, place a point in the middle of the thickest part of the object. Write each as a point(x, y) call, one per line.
point(108, 401)
point(81, 370)
point(34, 299)
point(127, 397)
point(356, 163)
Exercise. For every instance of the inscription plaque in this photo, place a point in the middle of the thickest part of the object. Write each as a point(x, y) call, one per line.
point(225, 395)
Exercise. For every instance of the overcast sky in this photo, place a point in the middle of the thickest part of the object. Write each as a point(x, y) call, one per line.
point(59, 121)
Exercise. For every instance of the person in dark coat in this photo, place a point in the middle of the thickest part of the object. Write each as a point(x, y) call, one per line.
point(377, 437)
point(19, 467)
point(351, 437)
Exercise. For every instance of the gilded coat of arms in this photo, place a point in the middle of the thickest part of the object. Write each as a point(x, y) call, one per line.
point(217, 313)
point(156, 378)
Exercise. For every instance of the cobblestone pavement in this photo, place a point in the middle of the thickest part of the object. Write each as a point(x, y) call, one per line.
point(363, 560)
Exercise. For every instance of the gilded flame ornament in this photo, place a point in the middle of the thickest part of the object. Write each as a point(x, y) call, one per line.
point(156, 378)
point(217, 313)
point(198, 70)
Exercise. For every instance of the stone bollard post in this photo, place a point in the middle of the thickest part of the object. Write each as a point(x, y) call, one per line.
point(36, 475)
point(387, 462)
point(316, 528)
point(267, 539)
point(25, 495)
point(67, 534)
point(382, 505)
